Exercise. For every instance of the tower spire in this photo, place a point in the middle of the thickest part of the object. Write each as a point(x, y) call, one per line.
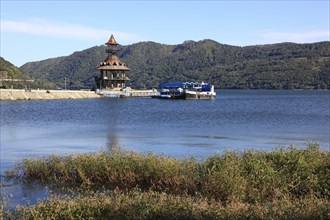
point(111, 41)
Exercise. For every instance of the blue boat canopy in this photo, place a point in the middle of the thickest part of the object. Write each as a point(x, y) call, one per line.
point(206, 88)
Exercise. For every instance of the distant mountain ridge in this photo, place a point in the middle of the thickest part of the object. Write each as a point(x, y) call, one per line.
point(274, 66)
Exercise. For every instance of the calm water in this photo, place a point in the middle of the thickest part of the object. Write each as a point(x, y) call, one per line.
point(237, 119)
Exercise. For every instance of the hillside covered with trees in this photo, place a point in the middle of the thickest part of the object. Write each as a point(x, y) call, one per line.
point(274, 66)
point(13, 77)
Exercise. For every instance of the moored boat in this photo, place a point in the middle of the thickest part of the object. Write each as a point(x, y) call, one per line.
point(186, 90)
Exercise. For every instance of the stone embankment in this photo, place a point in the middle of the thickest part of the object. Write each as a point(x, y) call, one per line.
point(17, 94)
point(128, 93)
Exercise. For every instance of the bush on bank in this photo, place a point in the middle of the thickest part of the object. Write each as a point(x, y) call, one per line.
point(256, 183)
point(135, 204)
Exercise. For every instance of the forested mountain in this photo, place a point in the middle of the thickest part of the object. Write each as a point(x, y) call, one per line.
point(9, 71)
point(13, 77)
point(275, 66)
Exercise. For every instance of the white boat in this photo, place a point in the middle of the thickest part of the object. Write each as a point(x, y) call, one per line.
point(201, 91)
point(186, 90)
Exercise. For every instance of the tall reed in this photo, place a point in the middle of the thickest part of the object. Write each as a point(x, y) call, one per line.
point(286, 183)
point(136, 204)
point(251, 176)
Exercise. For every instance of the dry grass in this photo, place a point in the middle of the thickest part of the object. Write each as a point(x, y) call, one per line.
point(282, 184)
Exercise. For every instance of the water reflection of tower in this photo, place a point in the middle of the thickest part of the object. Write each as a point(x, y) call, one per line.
point(112, 140)
point(113, 122)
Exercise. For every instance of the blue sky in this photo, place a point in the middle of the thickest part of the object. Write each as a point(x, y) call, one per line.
point(37, 30)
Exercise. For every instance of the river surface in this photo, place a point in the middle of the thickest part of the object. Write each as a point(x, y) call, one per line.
point(236, 120)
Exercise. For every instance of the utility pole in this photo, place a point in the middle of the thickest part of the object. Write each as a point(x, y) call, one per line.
point(64, 83)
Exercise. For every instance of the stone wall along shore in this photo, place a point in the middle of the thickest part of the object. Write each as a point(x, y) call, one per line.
point(17, 94)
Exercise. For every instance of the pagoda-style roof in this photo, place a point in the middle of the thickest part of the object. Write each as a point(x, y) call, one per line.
point(112, 62)
point(112, 41)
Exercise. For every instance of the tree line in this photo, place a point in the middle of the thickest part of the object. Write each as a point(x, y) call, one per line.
point(274, 66)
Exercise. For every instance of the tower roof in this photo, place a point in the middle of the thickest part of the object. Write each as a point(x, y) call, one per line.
point(111, 41)
point(112, 62)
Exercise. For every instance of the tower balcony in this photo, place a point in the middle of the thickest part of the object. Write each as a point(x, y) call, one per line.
point(116, 78)
point(112, 50)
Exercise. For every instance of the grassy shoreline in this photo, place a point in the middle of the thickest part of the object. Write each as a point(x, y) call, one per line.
point(281, 184)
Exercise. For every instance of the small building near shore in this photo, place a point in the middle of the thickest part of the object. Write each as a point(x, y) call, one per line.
point(112, 70)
